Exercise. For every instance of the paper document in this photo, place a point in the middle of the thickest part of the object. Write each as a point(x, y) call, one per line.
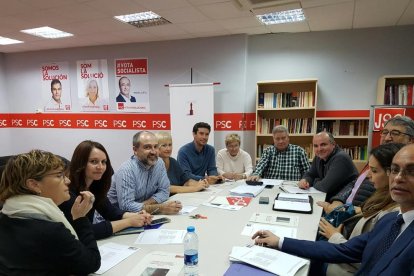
point(112, 254)
point(269, 259)
point(280, 231)
point(158, 263)
point(278, 219)
point(223, 206)
point(247, 190)
point(274, 182)
point(293, 188)
point(161, 236)
point(187, 209)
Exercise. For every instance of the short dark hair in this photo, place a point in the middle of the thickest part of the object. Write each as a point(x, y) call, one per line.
point(53, 82)
point(78, 165)
point(201, 125)
point(404, 121)
point(136, 140)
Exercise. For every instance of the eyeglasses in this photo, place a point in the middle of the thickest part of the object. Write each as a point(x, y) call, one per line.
point(395, 171)
point(393, 133)
point(60, 175)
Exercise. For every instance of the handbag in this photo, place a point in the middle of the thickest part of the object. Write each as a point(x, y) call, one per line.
point(340, 214)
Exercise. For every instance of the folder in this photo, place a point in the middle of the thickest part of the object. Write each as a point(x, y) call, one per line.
point(296, 203)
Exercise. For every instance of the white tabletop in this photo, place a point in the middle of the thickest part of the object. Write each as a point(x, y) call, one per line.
point(218, 233)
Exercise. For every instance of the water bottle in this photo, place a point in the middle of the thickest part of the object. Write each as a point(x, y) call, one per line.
point(190, 252)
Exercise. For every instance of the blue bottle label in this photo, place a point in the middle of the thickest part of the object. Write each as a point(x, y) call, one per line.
point(191, 259)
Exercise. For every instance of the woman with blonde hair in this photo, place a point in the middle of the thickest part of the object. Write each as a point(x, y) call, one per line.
point(232, 161)
point(32, 186)
point(179, 182)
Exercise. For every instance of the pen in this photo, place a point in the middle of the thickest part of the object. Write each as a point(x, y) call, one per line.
point(153, 212)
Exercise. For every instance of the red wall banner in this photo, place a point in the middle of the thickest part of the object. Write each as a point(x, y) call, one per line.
point(223, 121)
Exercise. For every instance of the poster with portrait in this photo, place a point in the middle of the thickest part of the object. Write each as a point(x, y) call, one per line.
point(93, 92)
point(56, 87)
point(131, 76)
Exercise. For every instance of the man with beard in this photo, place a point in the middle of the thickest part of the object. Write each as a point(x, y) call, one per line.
point(141, 183)
point(197, 158)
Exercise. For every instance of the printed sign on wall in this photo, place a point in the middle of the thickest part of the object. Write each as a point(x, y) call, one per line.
point(93, 92)
point(56, 87)
point(132, 84)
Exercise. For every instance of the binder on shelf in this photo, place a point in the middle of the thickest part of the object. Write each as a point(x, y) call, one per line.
point(296, 203)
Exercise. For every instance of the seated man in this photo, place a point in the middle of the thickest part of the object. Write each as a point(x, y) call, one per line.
point(385, 250)
point(141, 183)
point(331, 169)
point(282, 160)
point(197, 158)
point(399, 129)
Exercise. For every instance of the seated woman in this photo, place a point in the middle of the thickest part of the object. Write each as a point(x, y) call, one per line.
point(233, 162)
point(91, 170)
point(374, 208)
point(35, 237)
point(179, 183)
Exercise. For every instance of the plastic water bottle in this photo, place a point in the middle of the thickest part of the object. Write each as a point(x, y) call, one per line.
point(191, 252)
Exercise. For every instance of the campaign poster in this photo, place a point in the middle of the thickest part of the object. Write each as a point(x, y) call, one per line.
point(93, 92)
point(56, 87)
point(131, 76)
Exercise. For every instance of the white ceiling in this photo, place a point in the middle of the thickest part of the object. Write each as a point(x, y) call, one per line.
point(92, 22)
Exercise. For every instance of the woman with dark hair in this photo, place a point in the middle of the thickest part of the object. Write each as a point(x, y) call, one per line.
point(91, 170)
point(35, 237)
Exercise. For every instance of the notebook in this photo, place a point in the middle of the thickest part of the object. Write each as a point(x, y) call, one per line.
point(298, 203)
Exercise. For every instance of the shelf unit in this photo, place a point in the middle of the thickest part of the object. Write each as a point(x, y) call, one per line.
point(395, 90)
point(351, 134)
point(291, 103)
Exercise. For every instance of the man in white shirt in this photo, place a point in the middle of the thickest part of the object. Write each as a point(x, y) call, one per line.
point(55, 103)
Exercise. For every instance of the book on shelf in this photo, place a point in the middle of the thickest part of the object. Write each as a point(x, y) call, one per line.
point(398, 94)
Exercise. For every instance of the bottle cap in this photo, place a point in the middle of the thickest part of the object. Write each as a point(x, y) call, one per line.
point(190, 229)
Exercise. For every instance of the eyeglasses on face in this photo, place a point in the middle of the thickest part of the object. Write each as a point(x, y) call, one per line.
point(396, 170)
point(60, 175)
point(393, 133)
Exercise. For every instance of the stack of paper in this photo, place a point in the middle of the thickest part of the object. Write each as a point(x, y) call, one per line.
point(247, 190)
point(293, 188)
point(268, 259)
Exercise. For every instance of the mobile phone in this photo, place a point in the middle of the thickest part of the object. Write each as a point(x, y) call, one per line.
point(160, 221)
point(264, 200)
point(269, 186)
point(254, 183)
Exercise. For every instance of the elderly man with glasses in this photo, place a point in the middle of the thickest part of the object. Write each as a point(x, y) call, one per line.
point(399, 129)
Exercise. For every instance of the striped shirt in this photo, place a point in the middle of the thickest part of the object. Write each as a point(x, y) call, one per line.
point(289, 164)
point(133, 183)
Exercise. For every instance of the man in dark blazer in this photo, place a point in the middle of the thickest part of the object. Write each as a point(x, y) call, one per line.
point(398, 259)
point(124, 91)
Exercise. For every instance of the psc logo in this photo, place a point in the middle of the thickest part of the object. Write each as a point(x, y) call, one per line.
point(159, 124)
point(65, 123)
point(119, 123)
point(17, 122)
point(48, 123)
point(139, 124)
point(32, 123)
point(3, 123)
point(223, 124)
point(101, 123)
point(82, 123)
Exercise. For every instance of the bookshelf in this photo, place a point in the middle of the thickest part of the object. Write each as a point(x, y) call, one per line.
point(291, 103)
point(351, 134)
point(395, 90)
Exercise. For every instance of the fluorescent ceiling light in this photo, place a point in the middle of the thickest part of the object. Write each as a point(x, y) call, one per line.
point(46, 32)
point(282, 17)
point(143, 19)
point(8, 41)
